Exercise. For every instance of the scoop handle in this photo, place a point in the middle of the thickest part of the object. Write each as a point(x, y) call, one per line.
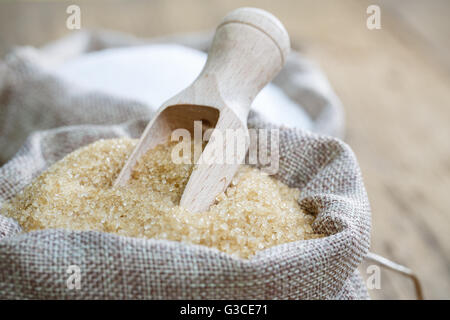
point(249, 48)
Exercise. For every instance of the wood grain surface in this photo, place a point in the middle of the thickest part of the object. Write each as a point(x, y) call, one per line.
point(394, 84)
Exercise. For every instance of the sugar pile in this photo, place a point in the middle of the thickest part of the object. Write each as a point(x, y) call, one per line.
point(254, 213)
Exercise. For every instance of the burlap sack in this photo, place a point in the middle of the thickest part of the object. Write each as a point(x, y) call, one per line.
point(59, 118)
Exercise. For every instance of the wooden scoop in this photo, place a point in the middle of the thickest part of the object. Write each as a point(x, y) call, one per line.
point(249, 48)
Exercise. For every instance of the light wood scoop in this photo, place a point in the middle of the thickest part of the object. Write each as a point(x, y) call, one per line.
point(249, 48)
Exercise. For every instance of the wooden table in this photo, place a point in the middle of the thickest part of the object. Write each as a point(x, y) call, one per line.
point(394, 84)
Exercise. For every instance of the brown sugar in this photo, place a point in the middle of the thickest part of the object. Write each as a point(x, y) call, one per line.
point(255, 212)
